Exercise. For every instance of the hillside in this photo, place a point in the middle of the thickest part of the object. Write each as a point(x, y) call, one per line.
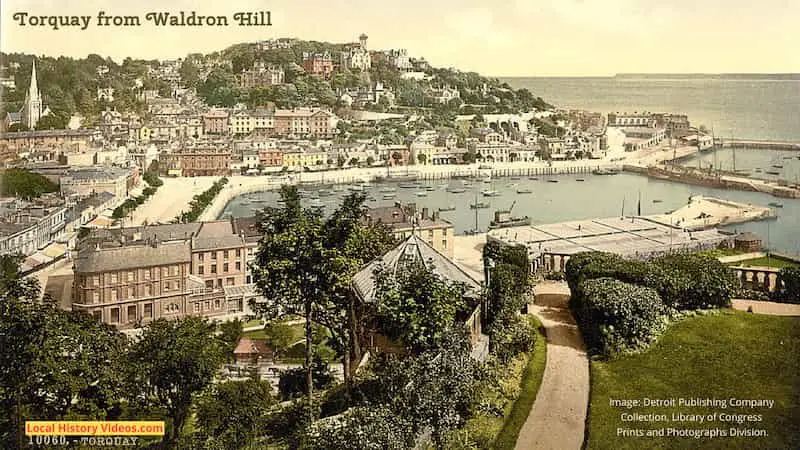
point(70, 86)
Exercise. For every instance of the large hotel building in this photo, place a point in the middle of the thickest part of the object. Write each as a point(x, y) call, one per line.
point(130, 276)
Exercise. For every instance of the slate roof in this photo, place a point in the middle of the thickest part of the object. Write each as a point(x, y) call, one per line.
point(131, 257)
point(247, 346)
point(248, 227)
point(413, 247)
point(217, 235)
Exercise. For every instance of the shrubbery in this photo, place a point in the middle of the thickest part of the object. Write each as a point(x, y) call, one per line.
point(511, 336)
point(292, 382)
point(788, 286)
point(615, 316)
point(555, 276)
point(358, 428)
point(693, 281)
point(684, 281)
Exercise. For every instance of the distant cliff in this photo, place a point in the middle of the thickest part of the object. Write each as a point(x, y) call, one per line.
point(715, 76)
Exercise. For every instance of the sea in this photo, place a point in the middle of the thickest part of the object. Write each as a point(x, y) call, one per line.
point(755, 108)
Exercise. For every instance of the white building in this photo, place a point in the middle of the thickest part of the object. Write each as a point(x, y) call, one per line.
point(106, 94)
point(358, 57)
point(399, 60)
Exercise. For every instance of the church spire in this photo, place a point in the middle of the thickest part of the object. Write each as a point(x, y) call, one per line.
point(33, 90)
point(33, 109)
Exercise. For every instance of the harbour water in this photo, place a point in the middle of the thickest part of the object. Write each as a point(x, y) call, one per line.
point(567, 199)
point(743, 108)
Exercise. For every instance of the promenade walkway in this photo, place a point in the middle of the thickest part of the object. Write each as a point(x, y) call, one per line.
point(558, 416)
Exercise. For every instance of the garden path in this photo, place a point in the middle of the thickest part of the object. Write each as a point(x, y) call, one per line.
point(558, 416)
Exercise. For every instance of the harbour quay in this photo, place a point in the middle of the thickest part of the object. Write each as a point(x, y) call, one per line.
point(690, 228)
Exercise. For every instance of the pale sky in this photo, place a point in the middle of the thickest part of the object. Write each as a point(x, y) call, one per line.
point(493, 37)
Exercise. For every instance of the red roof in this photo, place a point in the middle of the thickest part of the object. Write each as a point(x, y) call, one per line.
point(247, 346)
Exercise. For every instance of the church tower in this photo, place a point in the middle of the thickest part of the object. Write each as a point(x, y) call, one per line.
point(32, 110)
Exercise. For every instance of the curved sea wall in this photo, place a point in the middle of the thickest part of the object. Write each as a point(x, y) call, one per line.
point(239, 185)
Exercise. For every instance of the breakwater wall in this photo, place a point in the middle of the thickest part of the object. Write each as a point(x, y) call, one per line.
point(239, 185)
point(697, 178)
point(757, 143)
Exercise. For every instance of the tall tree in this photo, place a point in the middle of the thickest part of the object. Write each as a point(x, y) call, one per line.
point(357, 241)
point(415, 305)
point(53, 363)
point(290, 264)
point(173, 361)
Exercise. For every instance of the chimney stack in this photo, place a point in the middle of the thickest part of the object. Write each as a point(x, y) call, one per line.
point(424, 213)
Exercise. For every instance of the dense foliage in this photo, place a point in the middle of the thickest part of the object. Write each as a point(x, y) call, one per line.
point(511, 336)
point(171, 363)
point(234, 412)
point(788, 286)
point(690, 281)
point(201, 201)
point(360, 428)
point(683, 280)
point(305, 266)
point(435, 389)
point(615, 316)
point(292, 382)
point(416, 306)
point(23, 183)
point(152, 179)
point(69, 86)
point(55, 364)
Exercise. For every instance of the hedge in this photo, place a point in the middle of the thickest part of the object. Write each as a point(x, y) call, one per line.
point(615, 316)
point(591, 265)
point(693, 281)
point(683, 280)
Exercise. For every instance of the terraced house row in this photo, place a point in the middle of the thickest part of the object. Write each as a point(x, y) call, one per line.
point(298, 122)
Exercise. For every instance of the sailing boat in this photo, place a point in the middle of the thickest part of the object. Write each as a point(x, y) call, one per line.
point(450, 207)
point(476, 206)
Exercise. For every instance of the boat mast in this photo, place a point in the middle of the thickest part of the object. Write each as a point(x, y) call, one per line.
point(477, 207)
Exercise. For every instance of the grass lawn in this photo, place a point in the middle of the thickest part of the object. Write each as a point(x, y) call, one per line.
point(297, 333)
point(517, 414)
point(772, 261)
point(729, 355)
point(252, 323)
